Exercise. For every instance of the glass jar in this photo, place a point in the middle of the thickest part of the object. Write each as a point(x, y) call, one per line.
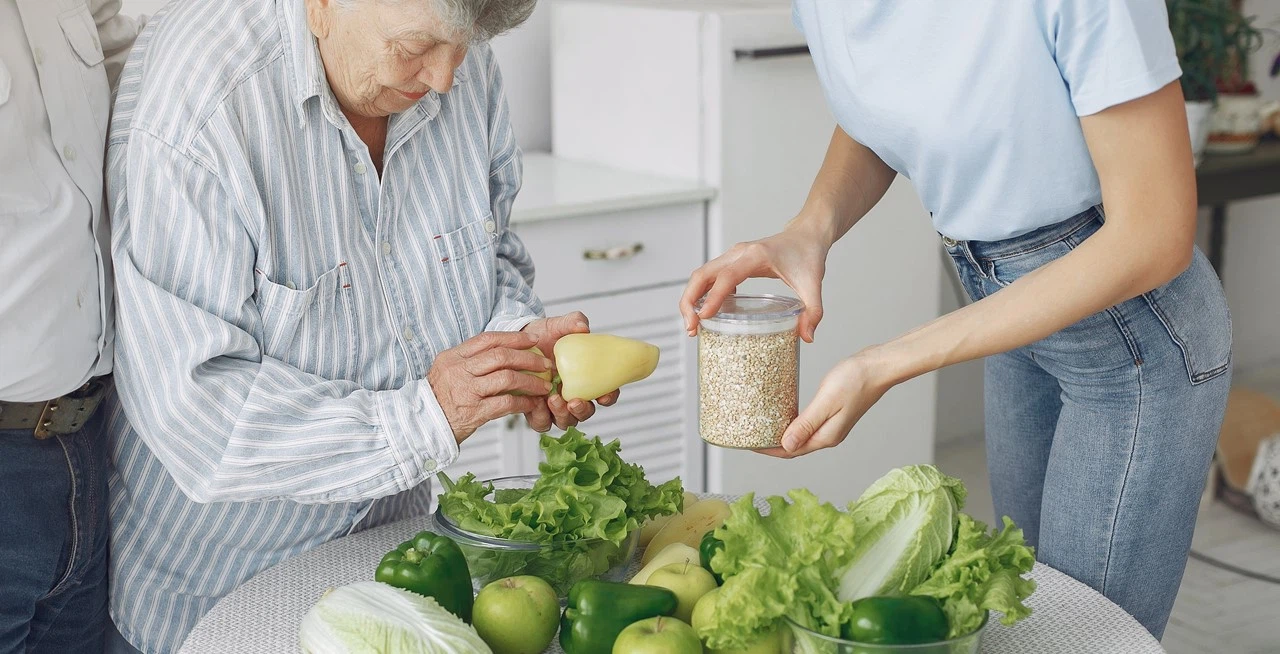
point(748, 371)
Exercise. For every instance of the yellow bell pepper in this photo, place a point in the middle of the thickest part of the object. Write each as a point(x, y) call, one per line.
point(593, 365)
point(545, 375)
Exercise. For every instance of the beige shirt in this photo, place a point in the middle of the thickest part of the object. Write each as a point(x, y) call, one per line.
point(58, 60)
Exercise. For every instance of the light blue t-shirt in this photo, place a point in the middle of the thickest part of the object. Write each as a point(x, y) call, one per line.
point(978, 101)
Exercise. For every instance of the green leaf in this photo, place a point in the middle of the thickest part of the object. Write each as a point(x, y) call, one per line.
point(906, 521)
point(983, 572)
point(585, 491)
point(780, 564)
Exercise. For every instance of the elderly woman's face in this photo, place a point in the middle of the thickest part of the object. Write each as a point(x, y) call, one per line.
point(382, 57)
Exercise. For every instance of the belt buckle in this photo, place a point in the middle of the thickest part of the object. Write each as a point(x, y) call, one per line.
point(67, 414)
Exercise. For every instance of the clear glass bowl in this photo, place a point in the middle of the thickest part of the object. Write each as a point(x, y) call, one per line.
point(561, 564)
point(801, 640)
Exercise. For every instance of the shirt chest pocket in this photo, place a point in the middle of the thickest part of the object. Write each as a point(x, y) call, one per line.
point(469, 259)
point(313, 329)
point(21, 191)
point(81, 33)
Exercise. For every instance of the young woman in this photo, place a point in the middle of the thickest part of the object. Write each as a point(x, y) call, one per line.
point(1106, 333)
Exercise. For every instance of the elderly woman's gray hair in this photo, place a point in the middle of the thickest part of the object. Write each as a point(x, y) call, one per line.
point(477, 19)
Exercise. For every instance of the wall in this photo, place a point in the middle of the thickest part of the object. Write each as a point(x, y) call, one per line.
point(959, 416)
point(525, 58)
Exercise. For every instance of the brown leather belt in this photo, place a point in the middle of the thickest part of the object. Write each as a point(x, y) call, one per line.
point(59, 416)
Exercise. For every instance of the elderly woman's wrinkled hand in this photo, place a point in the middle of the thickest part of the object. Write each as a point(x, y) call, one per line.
point(475, 381)
point(555, 410)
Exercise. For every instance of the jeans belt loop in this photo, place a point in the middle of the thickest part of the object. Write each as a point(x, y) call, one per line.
point(967, 248)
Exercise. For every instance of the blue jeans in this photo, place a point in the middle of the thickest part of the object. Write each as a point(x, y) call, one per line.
point(1099, 437)
point(53, 541)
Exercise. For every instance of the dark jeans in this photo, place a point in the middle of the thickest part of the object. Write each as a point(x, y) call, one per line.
point(53, 541)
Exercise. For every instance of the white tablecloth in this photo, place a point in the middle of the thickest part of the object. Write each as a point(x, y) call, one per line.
point(262, 616)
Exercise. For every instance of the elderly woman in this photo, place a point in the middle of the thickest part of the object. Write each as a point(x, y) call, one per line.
point(320, 297)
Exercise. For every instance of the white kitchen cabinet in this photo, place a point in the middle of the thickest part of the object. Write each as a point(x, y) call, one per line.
point(616, 246)
point(724, 93)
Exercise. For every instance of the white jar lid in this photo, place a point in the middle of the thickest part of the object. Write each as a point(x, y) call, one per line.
point(754, 314)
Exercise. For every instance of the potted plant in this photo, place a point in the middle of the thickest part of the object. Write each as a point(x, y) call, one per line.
point(1214, 41)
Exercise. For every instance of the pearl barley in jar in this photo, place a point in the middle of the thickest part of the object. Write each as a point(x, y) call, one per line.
point(748, 371)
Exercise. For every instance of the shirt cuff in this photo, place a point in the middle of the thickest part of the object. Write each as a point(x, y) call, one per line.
point(421, 439)
point(510, 323)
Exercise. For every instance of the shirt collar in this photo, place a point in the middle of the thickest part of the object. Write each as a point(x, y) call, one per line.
point(306, 68)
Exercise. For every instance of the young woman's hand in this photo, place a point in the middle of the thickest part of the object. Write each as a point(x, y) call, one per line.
point(846, 393)
point(797, 256)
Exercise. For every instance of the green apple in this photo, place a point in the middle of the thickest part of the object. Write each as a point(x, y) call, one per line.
point(660, 635)
point(688, 580)
point(770, 643)
point(517, 615)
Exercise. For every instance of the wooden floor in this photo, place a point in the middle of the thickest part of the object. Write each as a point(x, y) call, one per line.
point(1217, 612)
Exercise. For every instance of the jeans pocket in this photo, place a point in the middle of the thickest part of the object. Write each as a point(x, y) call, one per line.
point(1194, 310)
point(1008, 269)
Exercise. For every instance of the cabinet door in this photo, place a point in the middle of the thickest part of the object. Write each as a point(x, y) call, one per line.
point(655, 419)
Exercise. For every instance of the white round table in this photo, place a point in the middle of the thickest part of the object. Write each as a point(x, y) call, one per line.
point(262, 615)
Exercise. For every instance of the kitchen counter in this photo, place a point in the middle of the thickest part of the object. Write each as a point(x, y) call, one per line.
point(555, 187)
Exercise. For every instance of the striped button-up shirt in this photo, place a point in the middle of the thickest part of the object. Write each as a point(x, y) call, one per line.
point(280, 305)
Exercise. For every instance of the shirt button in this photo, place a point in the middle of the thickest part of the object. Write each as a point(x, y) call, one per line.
point(360, 169)
point(430, 465)
point(37, 54)
point(408, 335)
point(489, 226)
point(386, 247)
point(69, 153)
point(291, 286)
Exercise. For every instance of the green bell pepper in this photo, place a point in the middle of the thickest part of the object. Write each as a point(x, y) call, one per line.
point(599, 610)
point(433, 565)
point(895, 621)
point(707, 549)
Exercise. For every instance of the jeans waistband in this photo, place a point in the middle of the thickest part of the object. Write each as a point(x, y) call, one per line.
point(1029, 242)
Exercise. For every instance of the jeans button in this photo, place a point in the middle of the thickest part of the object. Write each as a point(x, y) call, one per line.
point(948, 241)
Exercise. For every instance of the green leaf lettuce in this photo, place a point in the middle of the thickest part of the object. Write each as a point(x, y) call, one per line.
point(983, 572)
point(775, 565)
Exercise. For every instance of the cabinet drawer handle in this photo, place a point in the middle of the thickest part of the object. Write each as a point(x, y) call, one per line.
point(614, 253)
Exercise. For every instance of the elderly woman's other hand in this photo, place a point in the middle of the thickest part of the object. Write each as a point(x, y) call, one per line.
point(474, 381)
point(564, 414)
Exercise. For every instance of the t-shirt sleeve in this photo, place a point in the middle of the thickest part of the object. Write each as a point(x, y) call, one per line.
point(1113, 51)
